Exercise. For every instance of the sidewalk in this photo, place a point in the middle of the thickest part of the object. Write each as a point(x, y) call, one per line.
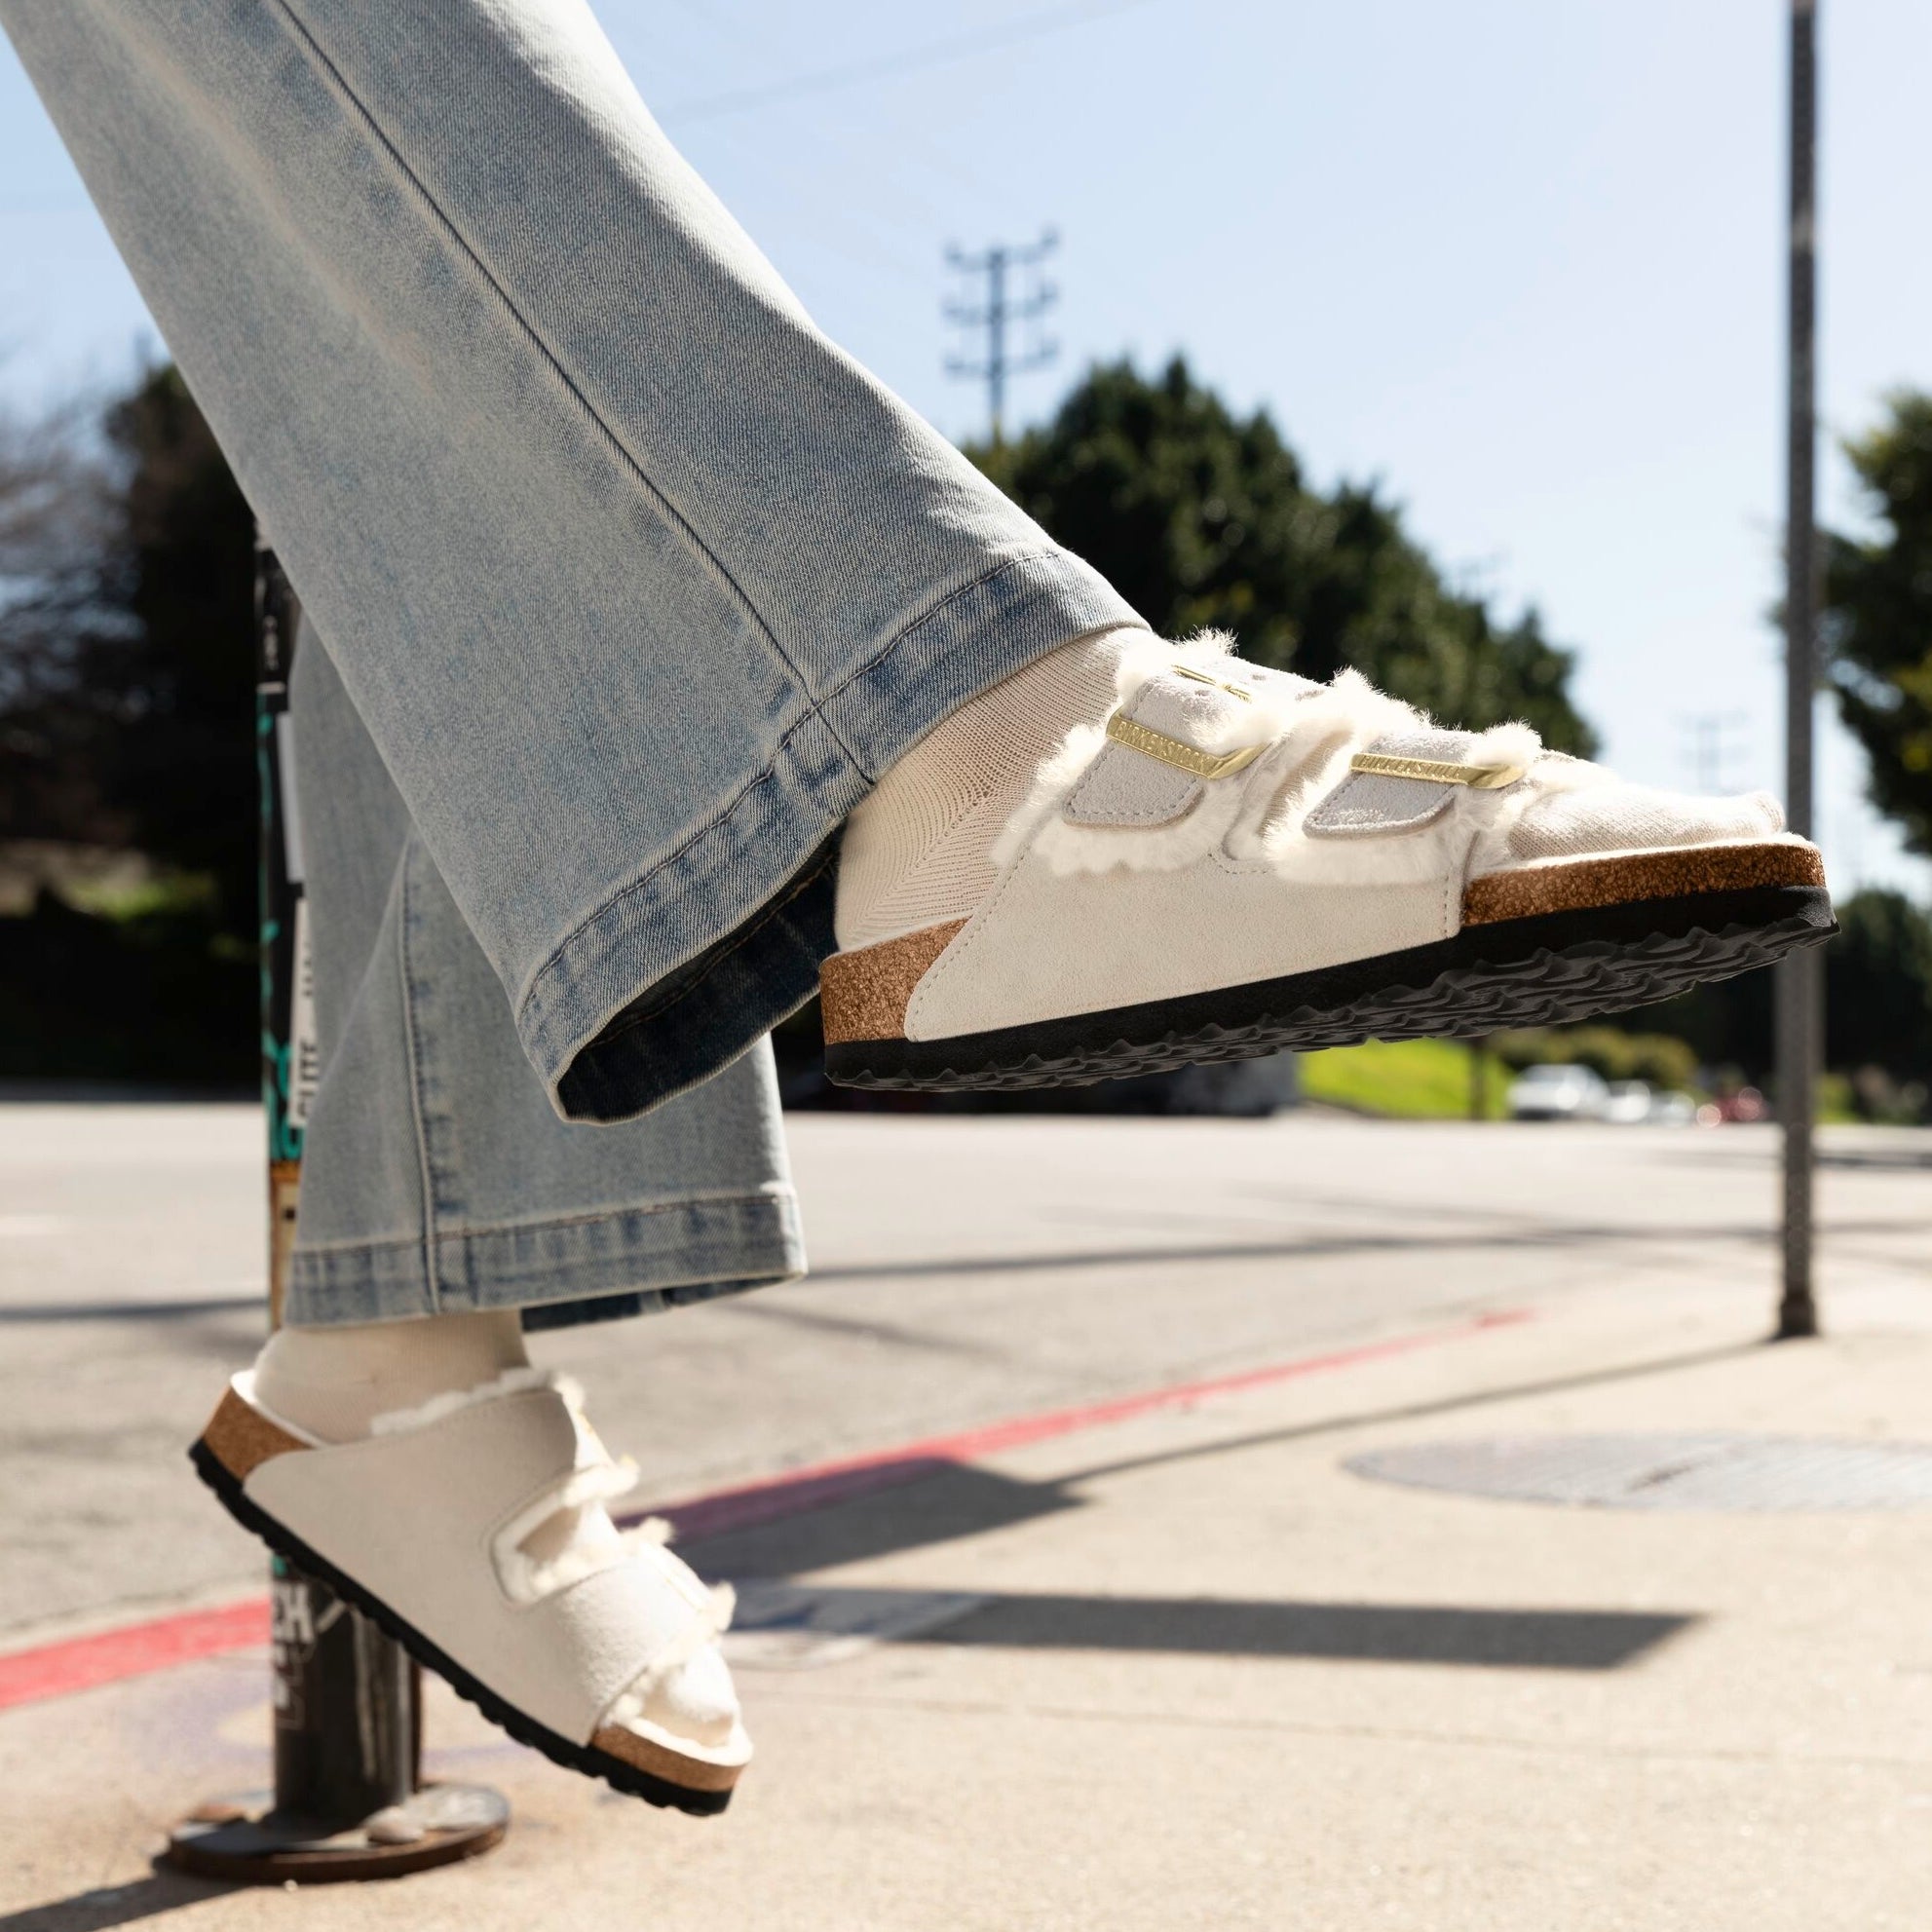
point(1179, 1666)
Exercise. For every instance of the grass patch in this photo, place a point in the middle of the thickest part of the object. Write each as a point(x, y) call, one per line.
point(1406, 1079)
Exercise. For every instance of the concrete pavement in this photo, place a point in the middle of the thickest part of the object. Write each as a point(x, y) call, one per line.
point(1182, 1667)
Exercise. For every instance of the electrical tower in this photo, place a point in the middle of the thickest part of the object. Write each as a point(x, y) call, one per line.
point(1004, 267)
point(1713, 740)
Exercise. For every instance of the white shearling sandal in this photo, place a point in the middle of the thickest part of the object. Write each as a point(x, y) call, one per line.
point(1244, 860)
point(424, 1525)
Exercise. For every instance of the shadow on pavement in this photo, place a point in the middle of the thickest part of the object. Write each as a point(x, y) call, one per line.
point(942, 1502)
point(1579, 1640)
point(183, 1311)
point(932, 1501)
point(114, 1905)
point(921, 1500)
point(1446, 1404)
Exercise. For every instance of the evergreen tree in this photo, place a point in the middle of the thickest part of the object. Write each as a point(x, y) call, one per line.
point(1878, 986)
point(181, 762)
point(1203, 518)
point(1878, 616)
point(126, 716)
point(126, 643)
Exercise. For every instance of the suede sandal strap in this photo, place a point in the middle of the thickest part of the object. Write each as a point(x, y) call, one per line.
point(430, 1513)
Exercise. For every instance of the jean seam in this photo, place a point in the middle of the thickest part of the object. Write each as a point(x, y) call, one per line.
point(742, 1242)
point(338, 83)
point(908, 631)
point(432, 1276)
point(589, 1218)
point(898, 641)
point(762, 777)
point(581, 1308)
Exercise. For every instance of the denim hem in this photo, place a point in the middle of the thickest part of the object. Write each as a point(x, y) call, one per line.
point(681, 970)
point(587, 1268)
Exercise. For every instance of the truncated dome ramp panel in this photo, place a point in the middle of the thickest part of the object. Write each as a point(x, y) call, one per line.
point(1714, 1470)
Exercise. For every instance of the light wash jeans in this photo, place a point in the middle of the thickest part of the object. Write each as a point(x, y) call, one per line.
point(437, 1177)
point(633, 583)
point(637, 581)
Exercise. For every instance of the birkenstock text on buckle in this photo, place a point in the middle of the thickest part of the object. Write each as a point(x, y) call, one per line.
point(1437, 770)
point(1184, 757)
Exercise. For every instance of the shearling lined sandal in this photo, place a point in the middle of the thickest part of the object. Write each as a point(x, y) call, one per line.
point(472, 1530)
point(1244, 860)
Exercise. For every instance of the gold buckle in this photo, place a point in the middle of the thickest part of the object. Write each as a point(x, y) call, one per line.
point(1183, 757)
point(1433, 770)
point(1241, 692)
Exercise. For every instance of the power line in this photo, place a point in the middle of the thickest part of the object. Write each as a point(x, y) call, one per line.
point(911, 59)
point(860, 231)
point(1000, 309)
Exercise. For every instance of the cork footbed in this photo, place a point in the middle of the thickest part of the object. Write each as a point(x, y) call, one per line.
point(694, 1774)
point(1578, 885)
point(241, 1438)
point(864, 995)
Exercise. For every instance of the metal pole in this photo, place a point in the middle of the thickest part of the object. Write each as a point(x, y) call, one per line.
point(1800, 975)
point(349, 1801)
point(996, 341)
point(345, 1695)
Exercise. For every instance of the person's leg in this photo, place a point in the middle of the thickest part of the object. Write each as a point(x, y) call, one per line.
point(444, 1206)
point(640, 583)
point(436, 1180)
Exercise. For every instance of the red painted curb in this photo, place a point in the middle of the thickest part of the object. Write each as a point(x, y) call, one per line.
point(56, 1670)
point(827, 1483)
point(80, 1663)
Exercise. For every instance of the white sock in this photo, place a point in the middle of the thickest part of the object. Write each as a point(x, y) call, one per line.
point(914, 852)
point(334, 1381)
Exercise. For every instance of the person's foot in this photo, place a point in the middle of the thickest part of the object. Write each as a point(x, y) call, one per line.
point(472, 1526)
point(1235, 860)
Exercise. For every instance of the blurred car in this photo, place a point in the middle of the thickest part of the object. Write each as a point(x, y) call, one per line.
point(1628, 1103)
point(1554, 1092)
point(1636, 1103)
point(1746, 1104)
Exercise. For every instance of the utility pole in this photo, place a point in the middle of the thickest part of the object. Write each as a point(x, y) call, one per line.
point(1003, 265)
point(1709, 752)
point(1800, 981)
point(349, 1801)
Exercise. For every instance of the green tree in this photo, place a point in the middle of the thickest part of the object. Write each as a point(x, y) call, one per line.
point(179, 762)
point(61, 609)
point(127, 682)
point(1877, 615)
point(126, 721)
point(1878, 987)
point(1878, 999)
point(1203, 518)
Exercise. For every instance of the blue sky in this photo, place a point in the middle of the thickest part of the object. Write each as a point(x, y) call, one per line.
point(1523, 263)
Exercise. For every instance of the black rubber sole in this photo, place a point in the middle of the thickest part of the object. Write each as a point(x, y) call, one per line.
point(525, 1730)
point(1559, 966)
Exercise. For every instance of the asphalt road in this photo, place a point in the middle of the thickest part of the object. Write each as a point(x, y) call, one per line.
point(965, 1269)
